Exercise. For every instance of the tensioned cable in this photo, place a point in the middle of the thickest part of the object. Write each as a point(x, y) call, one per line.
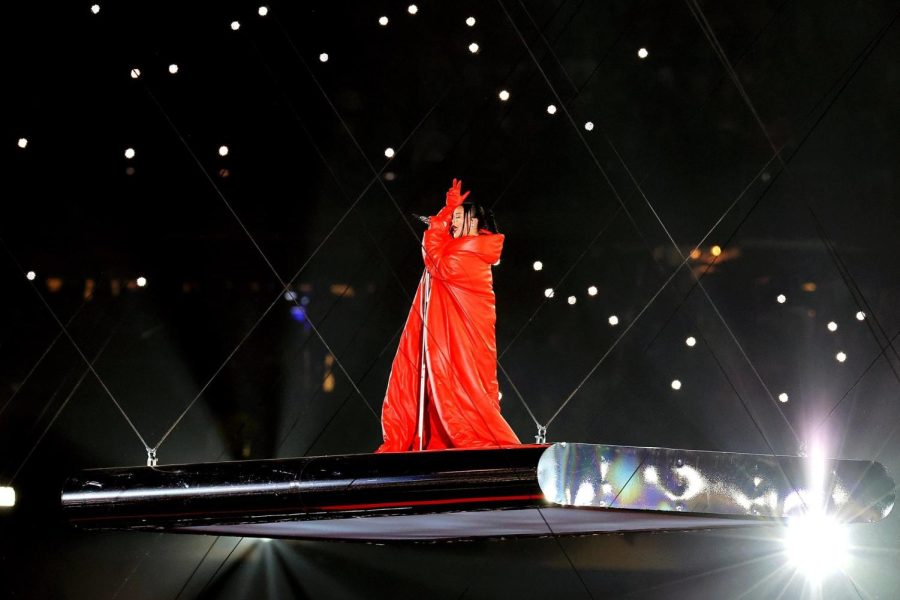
point(621, 202)
point(285, 286)
point(41, 359)
point(849, 280)
point(75, 345)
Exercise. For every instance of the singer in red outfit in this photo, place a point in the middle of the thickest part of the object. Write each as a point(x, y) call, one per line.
point(458, 396)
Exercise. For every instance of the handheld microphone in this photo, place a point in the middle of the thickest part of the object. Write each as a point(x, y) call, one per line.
point(426, 220)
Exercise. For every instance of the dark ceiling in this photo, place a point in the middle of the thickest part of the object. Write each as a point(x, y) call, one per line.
point(769, 129)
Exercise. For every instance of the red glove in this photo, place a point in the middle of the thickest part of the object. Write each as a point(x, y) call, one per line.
point(454, 195)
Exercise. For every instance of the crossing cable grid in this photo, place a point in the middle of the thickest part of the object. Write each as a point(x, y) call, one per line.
point(77, 348)
point(621, 202)
point(40, 360)
point(841, 266)
point(381, 182)
point(285, 285)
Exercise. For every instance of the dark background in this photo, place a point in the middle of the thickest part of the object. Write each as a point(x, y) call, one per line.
point(684, 144)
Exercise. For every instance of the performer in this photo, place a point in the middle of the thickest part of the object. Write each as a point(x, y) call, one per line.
point(443, 390)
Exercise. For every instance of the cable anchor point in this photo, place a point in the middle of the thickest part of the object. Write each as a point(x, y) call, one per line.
point(541, 437)
point(151, 457)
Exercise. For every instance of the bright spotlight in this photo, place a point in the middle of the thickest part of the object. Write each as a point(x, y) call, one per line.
point(538, 265)
point(840, 356)
point(323, 57)
point(859, 315)
point(141, 281)
point(691, 341)
point(413, 9)
point(470, 21)
point(589, 126)
point(383, 21)
point(389, 152)
point(715, 250)
point(782, 397)
point(832, 326)
point(7, 496)
point(235, 25)
point(95, 8)
point(129, 153)
point(263, 10)
point(676, 384)
point(592, 291)
point(173, 68)
point(24, 142)
point(816, 545)
point(613, 320)
point(572, 299)
point(548, 292)
point(135, 73)
point(504, 95)
point(473, 48)
point(551, 109)
point(30, 275)
point(223, 150)
point(781, 298)
point(642, 53)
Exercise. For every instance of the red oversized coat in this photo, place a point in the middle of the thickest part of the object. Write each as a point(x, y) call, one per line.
point(463, 404)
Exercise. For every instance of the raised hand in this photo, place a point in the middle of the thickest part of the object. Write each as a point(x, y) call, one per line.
point(455, 197)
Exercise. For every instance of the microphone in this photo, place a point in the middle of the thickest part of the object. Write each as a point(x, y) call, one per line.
point(426, 220)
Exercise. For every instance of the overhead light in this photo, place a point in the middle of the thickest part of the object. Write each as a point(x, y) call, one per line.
point(235, 25)
point(129, 153)
point(572, 299)
point(782, 397)
point(589, 126)
point(383, 21)
point(173, 68)
point(141, 281)
point(691, 341)
point(551, 109)
point(538, 265)
point(715, 250)
point(816, 545)
point(263, 10)
point(135, 73)
point(470, 21)
point(473, 48)
point(504, 95)
point(613, 320)
point(323, 57)
point(840, 356)
point(592, 291)
point(24, 142)
point(389, 152)
point(95, 8)
point(676, 384)
point(223, 150)
point(781, 298)
point(413, 9)
point(832, 326)
point(30, 275)
point(548, 292)
point(860, 316)
point(642, 53)
point(7, 496)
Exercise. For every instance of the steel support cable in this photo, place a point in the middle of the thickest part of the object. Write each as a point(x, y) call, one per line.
point(848, 278)
point(35, 366)
point(77, 348)
point(621, 202)
point(285, 286)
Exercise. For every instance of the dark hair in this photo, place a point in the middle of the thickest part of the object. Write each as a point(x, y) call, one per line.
point(484, 215)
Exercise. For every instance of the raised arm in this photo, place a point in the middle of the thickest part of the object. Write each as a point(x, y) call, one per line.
point(438, 234)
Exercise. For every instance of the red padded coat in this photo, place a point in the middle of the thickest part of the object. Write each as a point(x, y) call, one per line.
point(463, 405)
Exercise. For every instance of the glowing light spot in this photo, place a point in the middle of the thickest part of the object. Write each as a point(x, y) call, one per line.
point(676, 384)
point(141, 281)
point(808, 286)
point(816, 545)
point(691, 341)
point(129, 153)
point(323, 57)
point(589, 126)
point(642, 53)
point(651, 475)
point(235, 25)
point(592, 291)
point(572, 299)
point(613, 320)
point(859, 315)
point(473, 48)
point(413, 9)
point(782, 397)
point(695, 253)
point(173, 68)
point(263, 10)
point(548, 292)
point(7, 496)
point(23, 142)
point(223, 150)
point(715, 250)
point(135, 73)
point(383, 21)
point(504, 95)
point(95, 8)
point(470, 21)
point(290, 295)
point(551, 109)
point(389, 152)
point(538, 265)
point(832, 326)
point(840, 356)
point(30, 275)
point(781, 298)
